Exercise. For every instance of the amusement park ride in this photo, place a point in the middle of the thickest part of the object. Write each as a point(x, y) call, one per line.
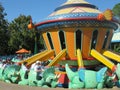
point(77, 37)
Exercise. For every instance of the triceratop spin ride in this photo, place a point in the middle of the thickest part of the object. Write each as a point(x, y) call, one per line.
point(77, 37)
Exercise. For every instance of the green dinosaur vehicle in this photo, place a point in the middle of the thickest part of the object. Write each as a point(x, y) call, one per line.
point(87, 78)
point(49, 78)
point(11, 74)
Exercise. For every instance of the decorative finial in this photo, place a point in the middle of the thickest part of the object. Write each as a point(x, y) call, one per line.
point(30, 26)
point(106, 15)
point(75, 0)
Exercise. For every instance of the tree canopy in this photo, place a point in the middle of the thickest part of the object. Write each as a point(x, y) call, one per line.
point(116, 10)
point(3, 31)
point(20, 36)
point(15, 34)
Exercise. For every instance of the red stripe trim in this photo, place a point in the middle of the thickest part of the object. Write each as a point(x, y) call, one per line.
point(65, 19)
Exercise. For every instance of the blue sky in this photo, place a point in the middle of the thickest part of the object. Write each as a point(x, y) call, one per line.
point(40, 9)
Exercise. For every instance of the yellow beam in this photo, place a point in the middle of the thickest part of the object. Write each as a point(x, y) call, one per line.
point(79, 57)
point(33, 57)
point(42, 57)
point(112, 55)
point(58, 58)
point(102, 59)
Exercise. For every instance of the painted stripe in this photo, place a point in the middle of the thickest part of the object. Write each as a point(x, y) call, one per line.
point(76, 5)
point(65, 19)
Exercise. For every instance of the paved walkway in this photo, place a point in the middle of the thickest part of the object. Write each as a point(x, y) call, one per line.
point(7, 86)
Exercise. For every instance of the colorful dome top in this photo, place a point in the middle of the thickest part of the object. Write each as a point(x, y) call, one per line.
point(75, 6)
point(76, 11)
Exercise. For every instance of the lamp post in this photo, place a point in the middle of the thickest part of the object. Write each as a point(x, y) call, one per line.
point(31, 26)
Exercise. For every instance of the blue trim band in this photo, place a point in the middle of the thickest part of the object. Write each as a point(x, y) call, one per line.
point(71, 15)
point(78, 23)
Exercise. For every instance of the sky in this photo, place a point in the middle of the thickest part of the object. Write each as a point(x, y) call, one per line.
point(40, 9)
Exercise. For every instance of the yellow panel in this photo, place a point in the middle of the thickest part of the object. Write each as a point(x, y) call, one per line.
point(100, 40)
point(86, 42)
point(102, 59)
point(58, 58)
point(79, 57)
point(33, 57)
point(55, 40)
point(40, 56)
point(63, 11)
point(76, 9)
point(112, 55)
point(70, 42)
point(91, 10)
point(80, 9)
point(46, 41)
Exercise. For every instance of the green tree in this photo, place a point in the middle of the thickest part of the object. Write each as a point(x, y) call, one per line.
point(20, 35)
point(3, 32)
point(116, 10)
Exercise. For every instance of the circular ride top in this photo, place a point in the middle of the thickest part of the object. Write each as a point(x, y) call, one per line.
point(77, 24)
